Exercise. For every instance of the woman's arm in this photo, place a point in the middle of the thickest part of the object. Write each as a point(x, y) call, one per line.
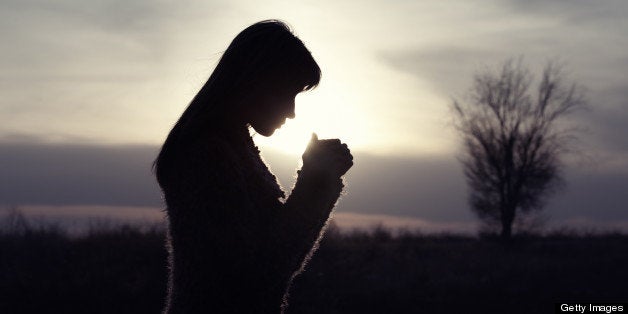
point(297, 225)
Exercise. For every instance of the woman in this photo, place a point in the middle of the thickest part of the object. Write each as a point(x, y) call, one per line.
point(234, 246)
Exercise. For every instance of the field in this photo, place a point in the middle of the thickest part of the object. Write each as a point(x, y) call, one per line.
point(123, 270)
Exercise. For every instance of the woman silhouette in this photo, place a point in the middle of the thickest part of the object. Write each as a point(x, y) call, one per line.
point(234, 245)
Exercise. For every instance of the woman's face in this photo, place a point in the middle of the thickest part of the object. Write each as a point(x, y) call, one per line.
point(271, 107)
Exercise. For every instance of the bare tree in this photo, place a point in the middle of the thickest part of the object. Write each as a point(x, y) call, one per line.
point(513, 140)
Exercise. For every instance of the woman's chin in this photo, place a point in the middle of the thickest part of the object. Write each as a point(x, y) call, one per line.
point(266, 131)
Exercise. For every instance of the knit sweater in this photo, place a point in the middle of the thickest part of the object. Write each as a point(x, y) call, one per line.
point(234, 243)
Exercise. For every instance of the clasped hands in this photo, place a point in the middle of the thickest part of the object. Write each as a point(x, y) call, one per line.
point(329, 158)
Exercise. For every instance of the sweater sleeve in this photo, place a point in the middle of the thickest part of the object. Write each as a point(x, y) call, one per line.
point(298, 222)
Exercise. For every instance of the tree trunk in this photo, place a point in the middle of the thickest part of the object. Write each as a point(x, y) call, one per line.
point(508, 216)
point(506, 230)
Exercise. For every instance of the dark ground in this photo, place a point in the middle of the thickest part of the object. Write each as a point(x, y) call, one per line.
point(123, 270)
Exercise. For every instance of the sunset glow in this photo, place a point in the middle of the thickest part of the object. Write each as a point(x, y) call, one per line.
point(320, 112)
point(87, 83)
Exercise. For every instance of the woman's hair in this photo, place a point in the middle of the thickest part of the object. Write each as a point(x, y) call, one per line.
point(264, 55)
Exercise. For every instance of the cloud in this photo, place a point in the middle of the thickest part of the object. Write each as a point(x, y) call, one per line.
point(100, 68)
point(54, 39)
point(429, 189)
point(608, 118)
point(592, 54)
point(580, 11)
point(596, 195)
point(349, 220)
point(449, 69)
point(72, 174)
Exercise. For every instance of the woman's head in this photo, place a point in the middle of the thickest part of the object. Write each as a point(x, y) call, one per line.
point(266, 66)
point(263, 59)
point(267, 52)
point(254, 82)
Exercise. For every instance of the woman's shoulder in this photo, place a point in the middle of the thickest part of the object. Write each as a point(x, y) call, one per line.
point(208, 157)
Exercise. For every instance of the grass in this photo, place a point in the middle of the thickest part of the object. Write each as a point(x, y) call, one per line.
point(122, 269)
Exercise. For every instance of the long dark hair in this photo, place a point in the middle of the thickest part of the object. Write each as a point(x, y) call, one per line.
point(264, 53)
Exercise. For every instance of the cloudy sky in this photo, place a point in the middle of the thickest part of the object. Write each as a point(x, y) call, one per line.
point(89, 90)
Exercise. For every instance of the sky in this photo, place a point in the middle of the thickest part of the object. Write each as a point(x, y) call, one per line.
point(89, 90)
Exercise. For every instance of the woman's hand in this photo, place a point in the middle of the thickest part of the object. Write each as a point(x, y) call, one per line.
point(329, 158)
